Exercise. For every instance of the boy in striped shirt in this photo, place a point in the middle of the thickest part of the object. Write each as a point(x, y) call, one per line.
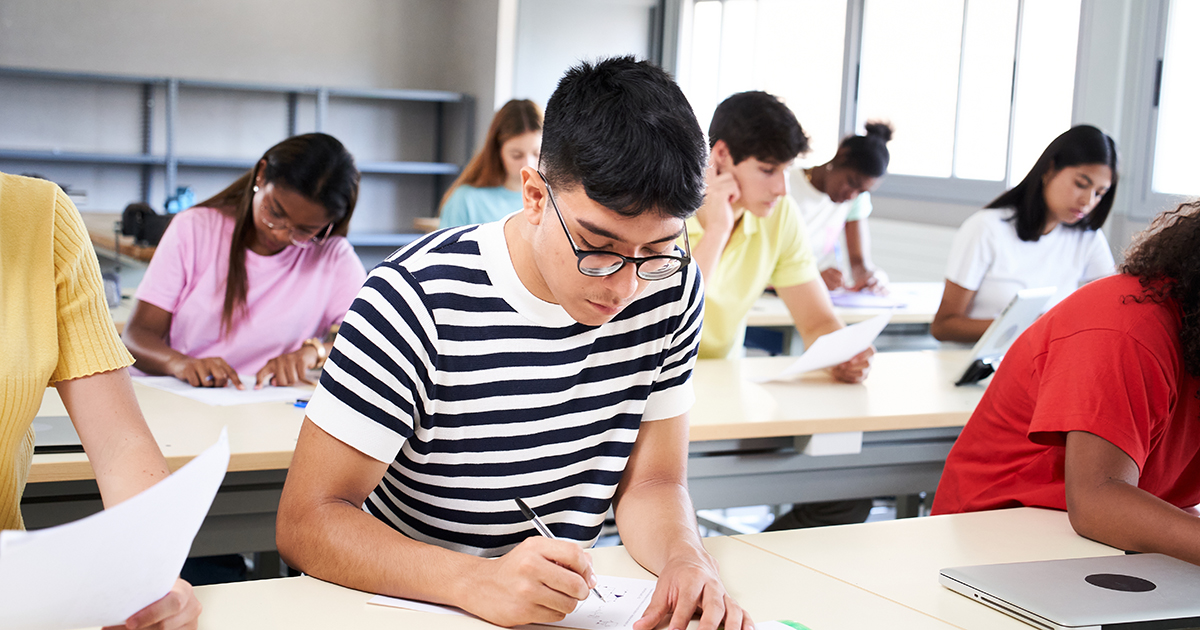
point(546, 357)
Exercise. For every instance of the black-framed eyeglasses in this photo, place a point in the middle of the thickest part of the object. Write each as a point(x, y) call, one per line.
point(597, 264)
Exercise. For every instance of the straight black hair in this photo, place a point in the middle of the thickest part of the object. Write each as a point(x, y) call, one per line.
point(317, 166)
point(623, 130)
point(757, 125)
point(1082, 144)
point(866, 154)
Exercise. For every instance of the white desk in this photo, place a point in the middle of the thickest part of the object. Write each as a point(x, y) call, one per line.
point(262, 437)
point(899, 560)
point(921, 303)
point(744, 448)
point(768, 586)
point(742, 451)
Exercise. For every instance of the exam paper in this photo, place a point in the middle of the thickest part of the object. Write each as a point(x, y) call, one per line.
point(627, 600)
point(836, 347)
point(228, 395)
point(864, 299)
point(101, 569)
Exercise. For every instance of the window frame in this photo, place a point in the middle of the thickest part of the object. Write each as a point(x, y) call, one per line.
point(1139, 171)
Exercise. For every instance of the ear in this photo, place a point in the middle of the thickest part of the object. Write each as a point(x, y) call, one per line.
point(533, 194)
point(720, 156)
point(260, 180)
point(1049, 174)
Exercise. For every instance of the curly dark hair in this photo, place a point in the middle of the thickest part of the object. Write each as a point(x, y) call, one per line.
point(1166, 260)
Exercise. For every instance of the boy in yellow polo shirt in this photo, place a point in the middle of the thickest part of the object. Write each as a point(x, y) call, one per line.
point(748, 235)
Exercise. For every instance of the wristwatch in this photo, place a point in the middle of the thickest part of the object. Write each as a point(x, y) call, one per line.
point(322, 354)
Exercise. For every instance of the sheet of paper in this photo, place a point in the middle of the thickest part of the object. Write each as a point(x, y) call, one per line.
point(228, 395)
point(863, 299)
point(627, 600)
point(836, 347)
point(101, 569)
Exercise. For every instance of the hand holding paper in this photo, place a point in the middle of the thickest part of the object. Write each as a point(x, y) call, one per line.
point(101, 569)
point(836, 347)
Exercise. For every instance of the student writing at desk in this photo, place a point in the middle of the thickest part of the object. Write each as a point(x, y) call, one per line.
point(251, 280)
point(57, 331)
point(1096, 408)
point(835, 197)
point(489, 187)
point(1043, 232)
point(545, 357)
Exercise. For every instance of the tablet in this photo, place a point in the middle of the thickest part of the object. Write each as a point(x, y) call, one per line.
point(1024, 309)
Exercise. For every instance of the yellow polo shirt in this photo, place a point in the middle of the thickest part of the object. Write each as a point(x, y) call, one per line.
point(54, 322)
point(761, 252)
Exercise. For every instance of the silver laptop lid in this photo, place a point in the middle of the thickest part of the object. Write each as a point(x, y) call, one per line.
point(1131, 592)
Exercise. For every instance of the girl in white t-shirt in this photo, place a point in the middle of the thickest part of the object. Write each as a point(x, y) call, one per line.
point(1045, 231)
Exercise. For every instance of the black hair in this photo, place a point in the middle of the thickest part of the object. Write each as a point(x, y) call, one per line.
point(623, 130)
point(757, 125)
point(317, 166)
point(866, 154)
point(1166, 260)
point(1082, 144)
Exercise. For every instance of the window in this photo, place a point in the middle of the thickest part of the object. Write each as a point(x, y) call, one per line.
point(1178, 135)
point(975, 88)
point(793, 49)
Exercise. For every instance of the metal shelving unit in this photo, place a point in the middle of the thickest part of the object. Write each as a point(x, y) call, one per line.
point(169, 161)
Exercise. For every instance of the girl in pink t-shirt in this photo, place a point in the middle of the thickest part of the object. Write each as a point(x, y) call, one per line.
point(251, 280)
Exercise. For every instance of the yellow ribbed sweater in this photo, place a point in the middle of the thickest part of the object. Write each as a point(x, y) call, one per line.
point(54, 323)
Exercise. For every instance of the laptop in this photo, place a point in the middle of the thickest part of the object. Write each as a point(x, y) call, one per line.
point(1127, 592)
point(1024, 309)
point(55, 434)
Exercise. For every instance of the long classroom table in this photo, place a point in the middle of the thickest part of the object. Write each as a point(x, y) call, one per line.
point(873, 575)
point(747, 439)
point(744, 443)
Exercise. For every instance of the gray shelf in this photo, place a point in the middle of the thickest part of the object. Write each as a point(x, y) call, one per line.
point(170, 161)
point(132, 159)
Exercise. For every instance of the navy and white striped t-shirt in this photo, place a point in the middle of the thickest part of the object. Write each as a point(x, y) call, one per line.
point(477, 392)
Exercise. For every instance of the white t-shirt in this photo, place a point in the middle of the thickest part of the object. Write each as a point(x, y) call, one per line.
point(987, 257)
point(824, 219)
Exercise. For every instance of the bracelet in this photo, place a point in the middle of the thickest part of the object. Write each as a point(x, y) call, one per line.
point(322, 354)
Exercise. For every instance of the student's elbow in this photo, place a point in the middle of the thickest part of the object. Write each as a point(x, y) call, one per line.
point(291, 524)
point(939, 329)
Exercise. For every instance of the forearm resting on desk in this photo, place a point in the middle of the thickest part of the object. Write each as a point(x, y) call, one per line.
point(322, 530)
point(1105, 504)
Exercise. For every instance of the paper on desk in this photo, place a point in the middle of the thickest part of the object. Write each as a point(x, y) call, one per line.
point(228, 395)
point(101, 569)
point(627, 600)
point(864, 299)
point(836, 347)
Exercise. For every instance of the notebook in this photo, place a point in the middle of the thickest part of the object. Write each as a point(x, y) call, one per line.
point(1025, 307)
point(55, 434)
point(1127, 592)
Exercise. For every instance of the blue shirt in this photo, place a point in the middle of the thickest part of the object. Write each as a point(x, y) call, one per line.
point(469, 205)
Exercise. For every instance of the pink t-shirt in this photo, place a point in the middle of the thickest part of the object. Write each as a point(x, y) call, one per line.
point(291, 296)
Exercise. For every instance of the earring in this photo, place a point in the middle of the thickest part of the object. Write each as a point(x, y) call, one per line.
point(256, 188)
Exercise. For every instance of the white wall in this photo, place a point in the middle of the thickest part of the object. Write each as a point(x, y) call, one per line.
point(553, 35)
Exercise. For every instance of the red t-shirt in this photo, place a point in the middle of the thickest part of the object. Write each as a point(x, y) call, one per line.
point(1098, 362)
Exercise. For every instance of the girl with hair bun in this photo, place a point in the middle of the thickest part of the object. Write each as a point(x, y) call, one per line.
point(834, 198)
point(489, 188)
point(1045, 231)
